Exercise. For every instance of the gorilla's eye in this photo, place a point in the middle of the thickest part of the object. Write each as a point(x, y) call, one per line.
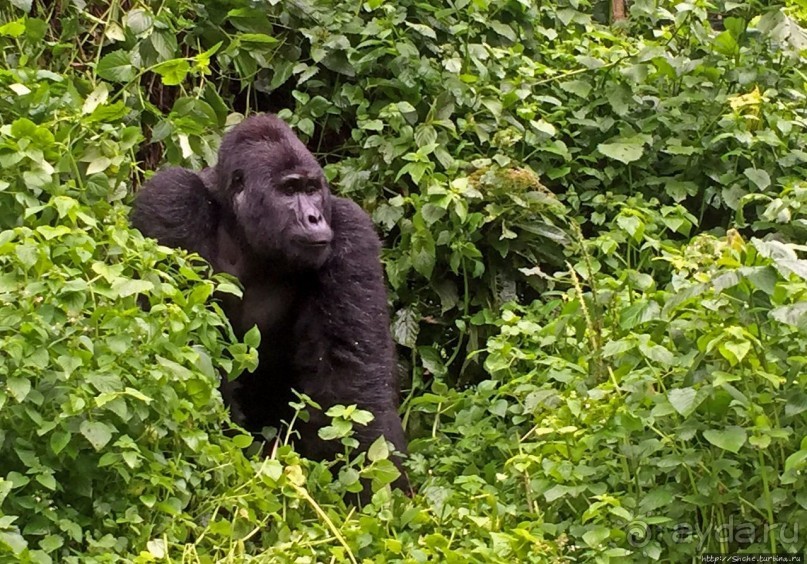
point(238, 179)
point(289, 187)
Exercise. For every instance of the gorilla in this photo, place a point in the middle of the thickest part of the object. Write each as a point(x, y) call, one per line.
point(313, 283)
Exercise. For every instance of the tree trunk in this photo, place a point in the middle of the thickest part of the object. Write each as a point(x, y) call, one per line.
point(618, 11)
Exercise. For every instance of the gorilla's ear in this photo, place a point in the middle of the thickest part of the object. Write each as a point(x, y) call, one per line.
point(223, 183)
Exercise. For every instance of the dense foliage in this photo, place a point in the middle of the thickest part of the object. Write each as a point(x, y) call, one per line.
point(593, 241)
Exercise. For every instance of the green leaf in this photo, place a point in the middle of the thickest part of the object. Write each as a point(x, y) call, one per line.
point(127, 287)
point(684, 400)
point(730, 439)
point(138, 21)
point(759, 177)
point(361, 416)
point(59, 440)
point(638, 313)
point(378, 450)
point(405, 328)
point(242, 441)
point(625, 151)
point(383, 472)
point(19, 388)
point(796, 461)
point(13, 541)
point(252, 337)
point(97, 433)
point(272, 468)
point(725, 44)
point(156, 548)
point(116, 67)
point(173, 72)
point(98, 165)
point(596, 536)
point(620, 97)
point(24, 5)
point(734, 351)
point(47, 480)
point(51, 543)
point(580, 88)
point(422, 29)
point(257, 38)
point(425, 135)
point(12, 29)
point(96, 98)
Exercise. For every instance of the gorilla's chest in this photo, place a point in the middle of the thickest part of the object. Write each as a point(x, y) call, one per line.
point(269, 297)
point(269, 306)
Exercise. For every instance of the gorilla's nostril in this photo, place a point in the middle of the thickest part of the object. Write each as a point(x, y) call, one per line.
point(314, 219)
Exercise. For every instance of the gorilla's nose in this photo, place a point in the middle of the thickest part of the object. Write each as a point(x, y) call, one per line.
point(318, 231)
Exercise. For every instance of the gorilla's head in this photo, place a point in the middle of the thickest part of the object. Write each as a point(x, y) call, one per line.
point(276, 191)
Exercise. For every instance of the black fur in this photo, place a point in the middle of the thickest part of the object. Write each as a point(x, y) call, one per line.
point(321, 308)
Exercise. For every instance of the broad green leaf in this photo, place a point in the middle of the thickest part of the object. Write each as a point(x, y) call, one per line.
point(378, 450)
point(730, 439)
point(796, 461)
point(725, 44)
point(18, 388)
point(96, 98)
point(625, 151)
point(422, 29)
point(638, 313)
point(621, 346)
point(173, 72)
point(242, 441)
point(47, 480)
point(405, 328)
point(384, 472)
point(253, 337)
point(116, 67)
point(51, 543)
point(759, 177)
point(13, 541)
point(684, 400)
point(596, 536)
point(579, 88)
point(98, 165)
point(620, 97)
point(734, 351)
point(97, 432)
point(794, 314)
point(59, 440)
point(12, 29)
point(272, 468)
point(544, 127)
point(156, 548)
point(349, 476)
point(125, 287)
point(138, 21)
point(361, 416)
point(256, 38)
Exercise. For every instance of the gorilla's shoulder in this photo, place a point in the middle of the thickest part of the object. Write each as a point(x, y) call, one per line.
point(171, 191)
point(176, 208)
point(355, 240)
point(349, 220)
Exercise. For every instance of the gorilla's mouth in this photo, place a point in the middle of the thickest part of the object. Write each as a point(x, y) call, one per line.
point(315, 244)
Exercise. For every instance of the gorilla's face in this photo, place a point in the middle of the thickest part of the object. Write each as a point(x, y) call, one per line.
point(278, 194)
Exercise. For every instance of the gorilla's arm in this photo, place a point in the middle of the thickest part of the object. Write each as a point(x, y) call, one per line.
point(175, 208)
point(344, 335)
